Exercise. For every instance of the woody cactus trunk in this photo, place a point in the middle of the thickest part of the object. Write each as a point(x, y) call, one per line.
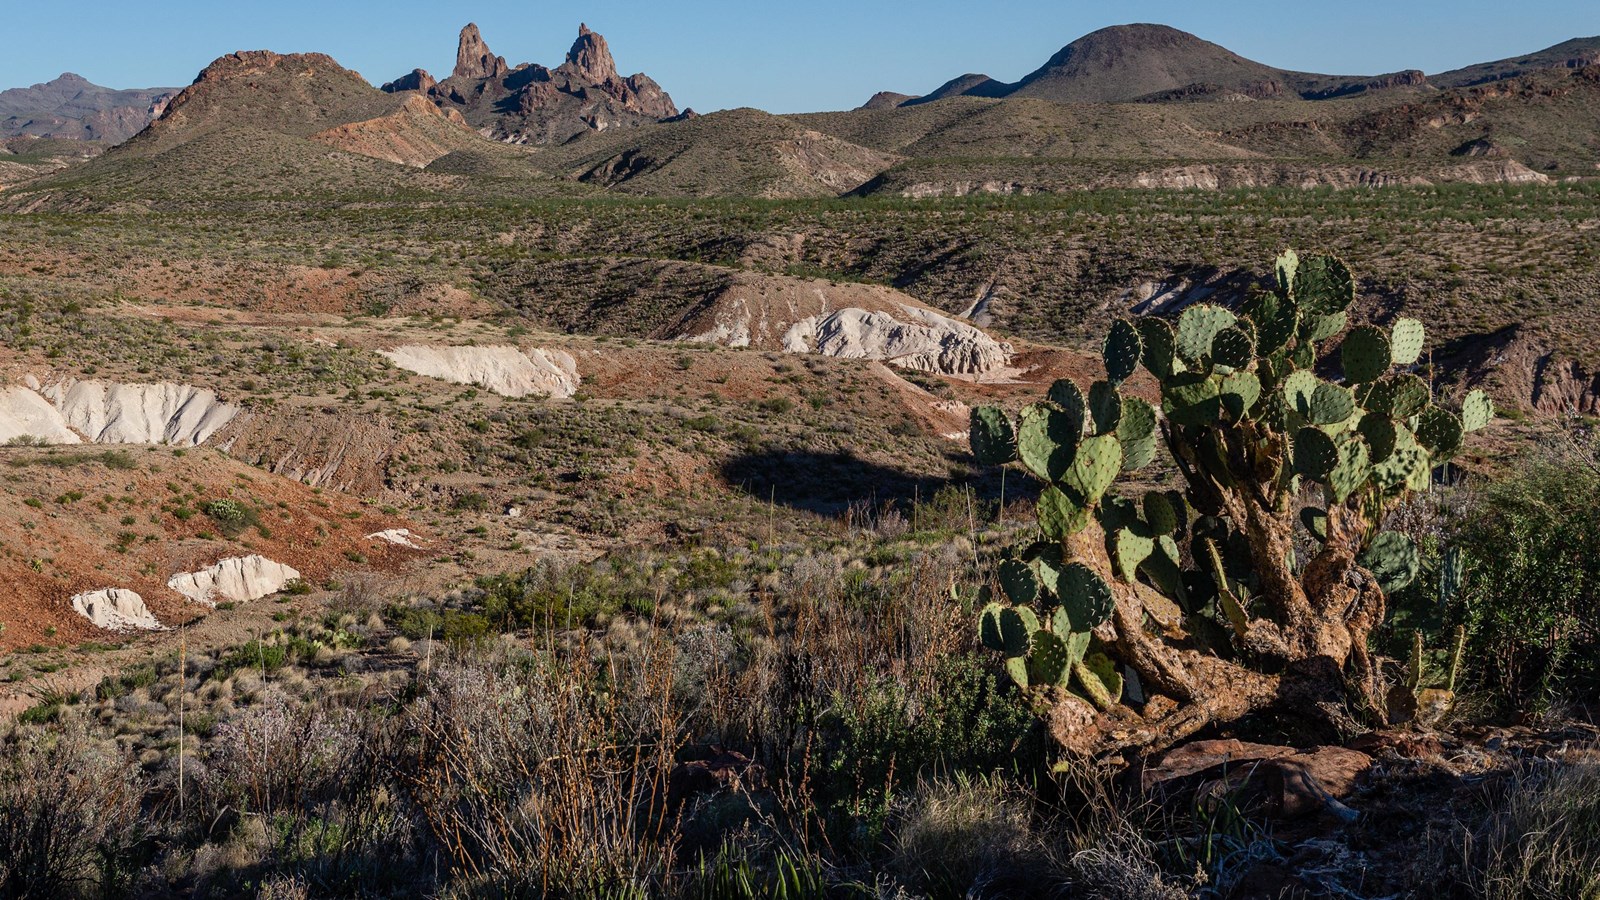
point(1137, 619)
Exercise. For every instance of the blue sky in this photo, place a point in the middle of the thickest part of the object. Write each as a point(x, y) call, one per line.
point(784, 57)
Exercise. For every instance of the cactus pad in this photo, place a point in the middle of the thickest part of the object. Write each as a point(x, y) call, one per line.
point(1130, 549)
point(1405, 341)
point(1016, 579)
point(1105, 407)
point(1047, 661)
point(1323, 286)
point(1159, 513)
point(1233, 347)
point(1095, 467)
point(993, 440)
point(989, 628)
point(1059, 515)
point(1240, 391)
point(1284, 268)
point(1316, 521)
point(1331, 405)
point(1366, 354)
point(1315, 453)
point(1476, 411)
point(1160, 347)
point(1122, 350)
point(1198, 327)
point(1440, 431)
point(1065, 393)
point(1392, 559)
point(1353, 470)
point(1048, 439)
point(1192, 399)
point(1275, 320)
point(1380, 435)
point(1017, 625)
point(1085, 596)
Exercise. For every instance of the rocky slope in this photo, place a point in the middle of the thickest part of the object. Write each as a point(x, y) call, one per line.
point(532, 104)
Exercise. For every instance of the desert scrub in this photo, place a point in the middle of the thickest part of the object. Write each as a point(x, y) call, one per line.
point(232, 517)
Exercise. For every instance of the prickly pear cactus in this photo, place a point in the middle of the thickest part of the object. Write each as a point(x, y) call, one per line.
point(1269, 449)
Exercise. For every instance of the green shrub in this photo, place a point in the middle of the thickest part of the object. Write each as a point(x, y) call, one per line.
point(1531, 579)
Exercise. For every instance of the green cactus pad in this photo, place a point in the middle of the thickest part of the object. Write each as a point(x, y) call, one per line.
point(1160, 347)
point(1086, 597)
point(1138, 420)
point(1065, 393)
point(1275, 319)
point(1392, 559)
point(989, 628)
point(1366, 354)
point(1198, 327)
point(1316, 521)
point(1406, 339)
point(1298, 389)
point(1163, 567)
point(1315, 453)
point(1331, 405)
point(1048, 439)
point(993, 440)
point(1108, 681)
point(1159, 513)
point(1320, 328)
point(1233, 347)
point(1059, 515)
point(1122, 350)
point(1323, 286)
point(1016, 579)
point(1476, 411)
point(1284, 268)
point(1407, 464)
point(1077, 645)
point(1017, 668)
point(1129, 549)
point(1017, 625)
point(1192, 399)
point(1240, 391)
point(1353, 469)
point(1408, 396)
point(1093, 470)
point(1105, 407)
point(1440, 431)
point(1380, 435)
point(1047, 661)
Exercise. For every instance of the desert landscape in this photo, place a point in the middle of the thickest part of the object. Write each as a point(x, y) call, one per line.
point(1166, 475)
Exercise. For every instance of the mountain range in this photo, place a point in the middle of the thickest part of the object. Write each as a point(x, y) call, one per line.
point(1128, 106)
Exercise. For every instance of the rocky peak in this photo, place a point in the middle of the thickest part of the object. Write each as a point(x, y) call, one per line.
point(418, 80)
point(474, 59)
point(590, 58)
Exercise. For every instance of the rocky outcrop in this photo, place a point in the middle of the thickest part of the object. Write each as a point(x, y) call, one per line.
point(111, 413)
point(532, 104)
point(239, 579)
point(419, 80)
point(473, 58)
point(917, 339)
point(27, 417)
point(115, 609)
point(414, 135)
point(400, 537)
point(504, 370)
point(72, 412)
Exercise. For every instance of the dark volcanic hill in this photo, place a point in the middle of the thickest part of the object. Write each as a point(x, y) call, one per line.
point(73, 108)
point(1133, 62)
point(531, 104)
point(1573, 54)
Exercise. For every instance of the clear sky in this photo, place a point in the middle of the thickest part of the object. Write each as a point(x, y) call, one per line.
point(783, 57)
